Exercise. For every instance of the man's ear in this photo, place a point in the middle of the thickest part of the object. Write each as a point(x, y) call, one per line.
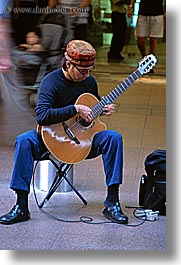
point(68, 64)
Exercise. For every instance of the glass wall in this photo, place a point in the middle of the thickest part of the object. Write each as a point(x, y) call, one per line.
point(101, 11)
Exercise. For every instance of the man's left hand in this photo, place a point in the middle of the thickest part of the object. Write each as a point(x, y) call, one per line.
point(109, 109)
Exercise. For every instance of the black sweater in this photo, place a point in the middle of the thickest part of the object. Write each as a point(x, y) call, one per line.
point(151, 8)
point(57, 96)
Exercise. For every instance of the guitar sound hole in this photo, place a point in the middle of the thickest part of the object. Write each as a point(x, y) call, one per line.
point(84, 123)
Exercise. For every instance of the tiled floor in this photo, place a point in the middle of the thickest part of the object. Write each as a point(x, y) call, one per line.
point(141, 118)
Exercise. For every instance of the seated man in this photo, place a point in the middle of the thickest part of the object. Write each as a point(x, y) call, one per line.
point(58, 93)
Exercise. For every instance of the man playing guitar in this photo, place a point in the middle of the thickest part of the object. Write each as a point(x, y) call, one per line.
point(68, 120)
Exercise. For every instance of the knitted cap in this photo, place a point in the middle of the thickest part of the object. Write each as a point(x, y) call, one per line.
point(80, 53)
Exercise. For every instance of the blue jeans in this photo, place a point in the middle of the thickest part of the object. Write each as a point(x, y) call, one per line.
point(29, 147)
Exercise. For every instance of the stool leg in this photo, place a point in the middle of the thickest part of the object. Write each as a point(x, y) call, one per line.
point(60, 175)
point(57, 181)
point(66, 170)
point(76, 191)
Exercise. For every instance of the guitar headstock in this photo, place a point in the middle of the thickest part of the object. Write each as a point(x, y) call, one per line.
point(147, 63)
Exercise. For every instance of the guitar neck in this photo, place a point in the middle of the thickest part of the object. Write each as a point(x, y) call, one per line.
point(115, 93)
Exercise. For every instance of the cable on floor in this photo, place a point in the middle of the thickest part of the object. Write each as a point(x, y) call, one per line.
point(85, 219)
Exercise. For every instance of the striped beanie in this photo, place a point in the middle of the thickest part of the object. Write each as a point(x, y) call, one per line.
point(80, 53)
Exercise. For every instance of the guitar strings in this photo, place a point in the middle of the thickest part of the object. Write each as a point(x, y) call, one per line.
point(96, 111)
point(76, 127)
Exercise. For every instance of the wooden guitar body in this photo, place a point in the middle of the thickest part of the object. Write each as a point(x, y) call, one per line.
point(61, 146)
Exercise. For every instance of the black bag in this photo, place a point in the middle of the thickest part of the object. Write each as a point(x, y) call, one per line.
point(152, 190)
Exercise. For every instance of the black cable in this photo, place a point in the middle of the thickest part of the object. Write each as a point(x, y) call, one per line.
point(143, 220)
point(89, 220)
point(83, 219)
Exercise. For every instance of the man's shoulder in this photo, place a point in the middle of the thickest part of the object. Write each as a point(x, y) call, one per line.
point(53, 74)
point(91, 79)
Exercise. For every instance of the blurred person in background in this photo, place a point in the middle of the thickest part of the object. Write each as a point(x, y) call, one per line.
point(33, 41)
point(15, 22)
point(78, 19)
point(9, 84)
point(24, 21)
point(150, 24)
point(119, 25)
point(5, 33)
point(5, 40)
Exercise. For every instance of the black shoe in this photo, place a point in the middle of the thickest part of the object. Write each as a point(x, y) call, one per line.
point(115, 56)
point(115, 59)
point(109, 60)
point(16, 215)
point(115, 214)
point(121, 57)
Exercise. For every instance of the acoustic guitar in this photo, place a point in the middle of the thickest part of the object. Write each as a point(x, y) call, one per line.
point(71, 141)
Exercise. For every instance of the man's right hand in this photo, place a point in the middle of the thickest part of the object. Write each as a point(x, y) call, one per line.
point(84, 112)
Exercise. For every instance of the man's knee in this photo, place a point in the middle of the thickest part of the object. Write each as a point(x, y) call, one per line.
point(22, 142)
point(115, 137)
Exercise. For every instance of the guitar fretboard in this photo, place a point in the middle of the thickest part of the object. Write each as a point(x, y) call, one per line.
point(115, 93)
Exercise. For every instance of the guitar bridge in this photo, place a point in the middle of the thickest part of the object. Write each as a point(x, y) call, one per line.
point(69, 133)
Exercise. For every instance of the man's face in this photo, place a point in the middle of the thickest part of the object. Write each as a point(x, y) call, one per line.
point(76, 73)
